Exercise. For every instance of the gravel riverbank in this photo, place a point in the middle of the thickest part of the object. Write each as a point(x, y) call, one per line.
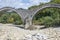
point(15, 33)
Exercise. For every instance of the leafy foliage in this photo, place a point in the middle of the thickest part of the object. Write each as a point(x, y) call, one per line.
point(55, 1)
point(10, 17)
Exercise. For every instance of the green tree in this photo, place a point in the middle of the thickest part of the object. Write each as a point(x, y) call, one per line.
point(55, 1)
point(10, 17)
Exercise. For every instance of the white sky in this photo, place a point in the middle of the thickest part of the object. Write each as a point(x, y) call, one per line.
point(20, 3)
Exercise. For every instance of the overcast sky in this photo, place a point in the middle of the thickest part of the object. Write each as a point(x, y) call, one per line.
point(20, 3)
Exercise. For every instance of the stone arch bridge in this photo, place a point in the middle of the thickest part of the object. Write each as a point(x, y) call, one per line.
point(27, 15)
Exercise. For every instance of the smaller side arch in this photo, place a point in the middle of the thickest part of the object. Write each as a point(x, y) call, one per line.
point(12, 9)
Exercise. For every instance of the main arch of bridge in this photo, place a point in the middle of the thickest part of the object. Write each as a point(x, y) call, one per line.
point(34, 11)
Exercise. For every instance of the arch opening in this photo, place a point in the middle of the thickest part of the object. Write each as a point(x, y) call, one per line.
point(10, 16)
point(48, 17)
